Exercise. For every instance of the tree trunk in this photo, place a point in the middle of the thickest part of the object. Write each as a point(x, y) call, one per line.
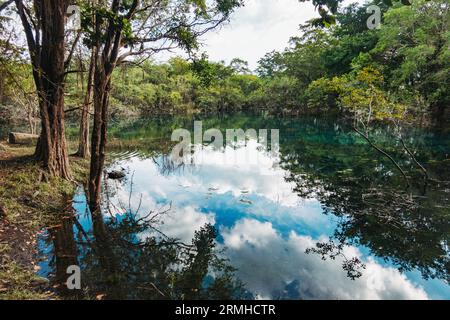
point(52, 149)
point(105, 62)
point(48, 61)
point(83, 145)
point(99, 138)
point(2, 86)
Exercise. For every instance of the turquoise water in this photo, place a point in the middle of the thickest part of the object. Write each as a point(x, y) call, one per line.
point(323, 217)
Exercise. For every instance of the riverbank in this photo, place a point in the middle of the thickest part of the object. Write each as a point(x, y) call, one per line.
point(29, 203)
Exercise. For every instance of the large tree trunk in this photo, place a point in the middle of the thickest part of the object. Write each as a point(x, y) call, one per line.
point(52, 148)
point(83, 142)
point(47, 51)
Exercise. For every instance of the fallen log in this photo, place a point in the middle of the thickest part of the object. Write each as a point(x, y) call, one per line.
point(22, 138)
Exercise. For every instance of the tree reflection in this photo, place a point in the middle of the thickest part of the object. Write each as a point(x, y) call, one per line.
point(127, 257)
point(408, 227)
point(327, 161)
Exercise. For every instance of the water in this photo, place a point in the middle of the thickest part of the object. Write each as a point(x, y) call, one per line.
point(326, 217)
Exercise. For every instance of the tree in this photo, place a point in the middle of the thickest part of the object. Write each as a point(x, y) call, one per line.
point(83, 138)
point(17, 98)
point(413, 53)
point(368, 103)
point(348, 39)
point(125, 29)
point(270, 64)
point(44, 26)
point(240, 66)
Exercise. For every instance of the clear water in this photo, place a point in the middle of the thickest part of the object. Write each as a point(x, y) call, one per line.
point(380, 240)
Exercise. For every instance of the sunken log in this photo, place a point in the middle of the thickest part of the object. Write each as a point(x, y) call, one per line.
point(22, 138)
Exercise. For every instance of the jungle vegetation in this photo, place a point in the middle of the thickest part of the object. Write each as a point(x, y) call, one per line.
point(52, 77)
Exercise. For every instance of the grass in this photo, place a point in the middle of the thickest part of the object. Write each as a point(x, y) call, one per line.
point(27, 206)
point(19, 283)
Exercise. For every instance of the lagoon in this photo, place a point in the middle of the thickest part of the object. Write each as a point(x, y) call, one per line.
point(324, 217)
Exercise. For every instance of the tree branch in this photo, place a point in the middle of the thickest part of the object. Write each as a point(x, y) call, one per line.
point(72, 50)
point(383, 153)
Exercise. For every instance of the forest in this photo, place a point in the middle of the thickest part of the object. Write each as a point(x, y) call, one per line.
point(86, 95)
point(405, 61)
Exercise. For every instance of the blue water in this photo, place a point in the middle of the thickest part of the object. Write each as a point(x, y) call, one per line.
point(264, 225)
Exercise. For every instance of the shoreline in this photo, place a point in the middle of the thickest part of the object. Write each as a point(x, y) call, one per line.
point(28, 205)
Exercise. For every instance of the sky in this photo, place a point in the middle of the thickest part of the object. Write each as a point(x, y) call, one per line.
point(257, 28)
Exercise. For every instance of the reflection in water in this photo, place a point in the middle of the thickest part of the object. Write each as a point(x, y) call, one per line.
point(326, 218)
point(126, 257)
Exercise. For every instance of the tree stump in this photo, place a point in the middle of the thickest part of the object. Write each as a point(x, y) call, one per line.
point(22, 138)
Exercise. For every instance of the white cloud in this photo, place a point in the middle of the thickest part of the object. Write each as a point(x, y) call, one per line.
point(181, 223)
point(218, 172)
point(270, 261)
point(259, 27)
point(268, 264)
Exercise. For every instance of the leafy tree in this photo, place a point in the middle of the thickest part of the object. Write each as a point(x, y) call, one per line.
point(413, 52)
point(349, 38)
point(270, 64)
point(239, 66)
point(130, 25)
point(44, 27)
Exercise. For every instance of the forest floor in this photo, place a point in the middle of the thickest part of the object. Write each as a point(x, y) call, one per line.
point(29, 204)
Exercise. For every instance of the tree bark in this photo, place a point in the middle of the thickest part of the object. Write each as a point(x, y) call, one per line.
point(83, 142)
point(99, 138)
point(47, 50)
point(2, 86)
point(105, 62)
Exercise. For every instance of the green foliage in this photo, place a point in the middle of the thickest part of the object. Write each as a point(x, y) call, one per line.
point(320, 71)
point(410, 51)
point(413, 51)
point(324, 93)
point(183, 87)
point(363, 96)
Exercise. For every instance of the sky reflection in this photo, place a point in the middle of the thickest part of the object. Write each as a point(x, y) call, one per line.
point(263, 225)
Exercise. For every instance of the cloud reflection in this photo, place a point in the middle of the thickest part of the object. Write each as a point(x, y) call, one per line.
point(274, 267)
point(263, 224)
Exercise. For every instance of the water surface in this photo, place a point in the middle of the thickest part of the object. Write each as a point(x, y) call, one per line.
point(326, 217)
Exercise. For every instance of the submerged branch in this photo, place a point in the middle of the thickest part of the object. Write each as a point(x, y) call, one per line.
point(414, 158)
point(366, 137)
